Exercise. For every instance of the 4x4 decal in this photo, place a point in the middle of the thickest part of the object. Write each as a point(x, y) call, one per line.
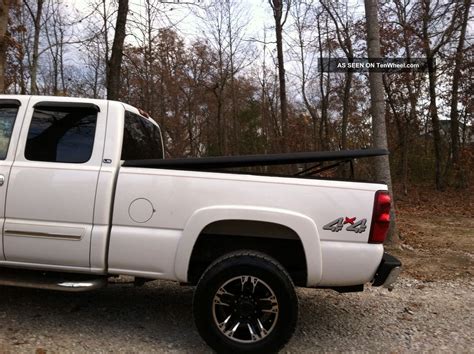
point(353, 225)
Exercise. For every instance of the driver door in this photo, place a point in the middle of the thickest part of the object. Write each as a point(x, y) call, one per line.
point(53, 181)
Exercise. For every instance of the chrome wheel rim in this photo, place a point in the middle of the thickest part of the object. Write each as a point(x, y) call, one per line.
point(245, 309)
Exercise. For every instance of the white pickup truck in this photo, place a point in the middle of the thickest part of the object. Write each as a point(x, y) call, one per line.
point(85, 195)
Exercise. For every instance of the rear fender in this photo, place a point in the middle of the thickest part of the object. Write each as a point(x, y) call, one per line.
point(302, 225)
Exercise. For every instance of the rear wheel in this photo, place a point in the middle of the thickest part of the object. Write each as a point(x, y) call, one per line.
point(245, 302)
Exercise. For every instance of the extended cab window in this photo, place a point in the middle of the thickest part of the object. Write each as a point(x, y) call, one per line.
point(7, 120)
point(61, 134)
point(141, 139)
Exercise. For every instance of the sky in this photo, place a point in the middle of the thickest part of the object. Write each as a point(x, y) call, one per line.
point(258, 9)
point(189, 26)
point(180, 11)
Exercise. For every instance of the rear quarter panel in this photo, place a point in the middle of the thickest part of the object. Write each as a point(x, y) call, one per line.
point(161, 246)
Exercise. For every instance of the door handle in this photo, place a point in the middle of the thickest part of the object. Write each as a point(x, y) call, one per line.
point(2, 180)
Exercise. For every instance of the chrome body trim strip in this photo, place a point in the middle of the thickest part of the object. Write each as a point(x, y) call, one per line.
point(42, 235)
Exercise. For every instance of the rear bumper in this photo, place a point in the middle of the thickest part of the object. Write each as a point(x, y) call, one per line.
point(387, 272)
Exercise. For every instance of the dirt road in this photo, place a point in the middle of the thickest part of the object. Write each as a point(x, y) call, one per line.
point(157, 318)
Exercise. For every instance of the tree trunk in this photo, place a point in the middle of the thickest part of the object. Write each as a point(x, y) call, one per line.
point(402, 129)
point(324, 96)
point(311, 110)
point(220, 128)
point(37, 29)
point(412, 95)
point(430, 52)
point(433, 111)
point(115, 62)
point(455, 88)
point(411, 119)
point(282, 82)
point(263, 93)
point(382, 164)
point(344, 40)
point(4, 8)
point(235, 148)
point(345, 107)
point(277, 6)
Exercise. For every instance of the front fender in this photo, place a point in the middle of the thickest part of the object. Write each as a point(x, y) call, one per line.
point(304, 227)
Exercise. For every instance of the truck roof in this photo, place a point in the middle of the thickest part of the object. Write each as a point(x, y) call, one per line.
point(68, 99)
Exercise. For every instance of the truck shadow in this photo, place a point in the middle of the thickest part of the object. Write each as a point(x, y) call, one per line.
point(156, 317)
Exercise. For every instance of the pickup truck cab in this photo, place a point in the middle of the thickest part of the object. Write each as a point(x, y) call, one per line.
point(79, 204)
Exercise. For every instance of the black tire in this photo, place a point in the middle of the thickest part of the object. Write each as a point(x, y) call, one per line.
point(261, 278)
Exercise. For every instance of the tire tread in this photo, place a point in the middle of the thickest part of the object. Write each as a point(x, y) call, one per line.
point(285, 277)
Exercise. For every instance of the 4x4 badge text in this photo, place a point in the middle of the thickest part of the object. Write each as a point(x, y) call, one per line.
point(353, 225)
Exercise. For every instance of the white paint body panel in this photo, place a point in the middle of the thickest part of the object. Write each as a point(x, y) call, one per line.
point(52, 198)
point(186, 202)
point(5, 165)
point(93, 204)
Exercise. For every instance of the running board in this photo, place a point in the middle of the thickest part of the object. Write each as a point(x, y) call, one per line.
point(50, 280)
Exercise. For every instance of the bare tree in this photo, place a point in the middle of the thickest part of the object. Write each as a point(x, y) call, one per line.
point(115, 63)
point(324, 84)
point(343, 35)
point(458, 62)
point(382, 164)
point(55, 35)
point(216, 29)
point(4, 11)
point(280, 14)
point(36, 17)
point(97, 28)
point(240, 53)
point(303, 17)
point(400, 19)
point(18, 57)
point(224, 25)
point(434, 38)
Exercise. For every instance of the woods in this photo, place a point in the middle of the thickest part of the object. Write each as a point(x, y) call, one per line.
point(233, 87)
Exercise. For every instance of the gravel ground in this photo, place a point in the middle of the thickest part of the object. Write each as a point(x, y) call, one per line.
point(416, 316)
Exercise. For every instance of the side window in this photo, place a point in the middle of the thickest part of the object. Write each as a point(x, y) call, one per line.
point(7, 120)
point(141, 139)
point(61, 134)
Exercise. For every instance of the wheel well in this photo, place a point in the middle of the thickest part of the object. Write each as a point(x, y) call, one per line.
point(275, 240)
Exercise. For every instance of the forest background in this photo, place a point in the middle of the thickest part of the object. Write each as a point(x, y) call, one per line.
point(236, 77)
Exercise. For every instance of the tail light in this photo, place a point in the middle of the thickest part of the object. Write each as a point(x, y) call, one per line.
point(380, 217)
